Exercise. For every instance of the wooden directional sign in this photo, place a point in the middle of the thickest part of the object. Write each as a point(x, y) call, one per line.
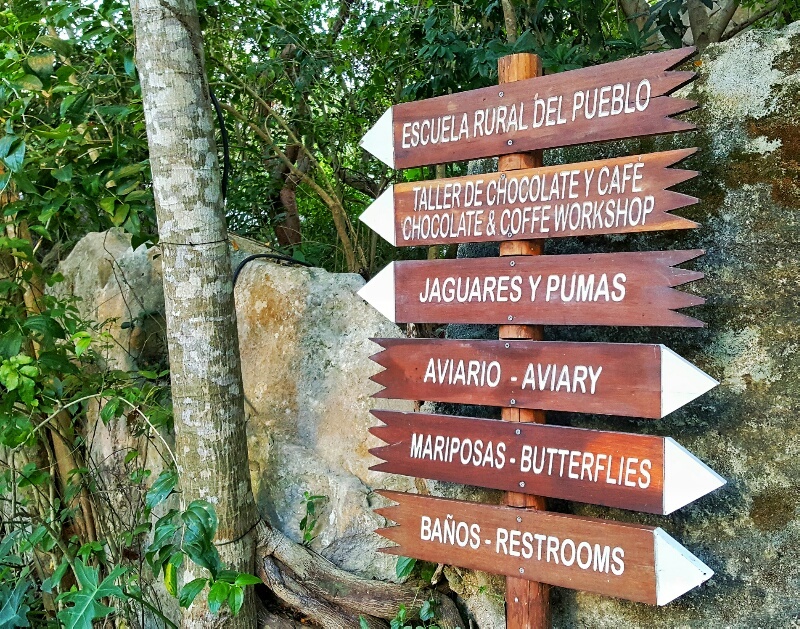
point(622, 289)
point(607, 378)
point(639, 563)
point(616, 100)
point(639, 472)
point(622, 195)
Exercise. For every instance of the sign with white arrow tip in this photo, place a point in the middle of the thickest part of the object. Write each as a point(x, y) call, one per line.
point(630, 561)
point(613, 196)
point(629, 379)
point(622, 99)
point(615, 469)
point(627, 289)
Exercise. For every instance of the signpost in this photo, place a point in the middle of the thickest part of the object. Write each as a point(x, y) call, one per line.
point(630, 561)
point(623, 99)
point(623, 289)
point(621, 195)
point(639, 472)
point(522, 290)
point(633, 380)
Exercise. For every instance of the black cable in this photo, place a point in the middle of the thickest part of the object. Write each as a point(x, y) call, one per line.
point(271, 256)
point(226, 154)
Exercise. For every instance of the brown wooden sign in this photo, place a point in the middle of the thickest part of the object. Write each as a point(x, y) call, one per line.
point(622, 195)
point(624, 289)
point(615, 100)
point(634, 562)
point(607, 378)
point(639, 472)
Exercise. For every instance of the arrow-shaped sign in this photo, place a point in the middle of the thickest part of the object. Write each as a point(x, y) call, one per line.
point(615, 100)
point(608, 378)
point(630, 561)
point(623, 289)
point(638, 472)
point(622, 195)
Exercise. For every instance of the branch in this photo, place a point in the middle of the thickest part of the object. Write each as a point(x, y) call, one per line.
point(510, 20)
point(721, 19)
point(699, 24)
point(340, 218)
point(341, 19)
point(738, 28)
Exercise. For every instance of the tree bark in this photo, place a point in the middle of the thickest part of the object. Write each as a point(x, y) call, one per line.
point(510, 21)
point(207, 389)
point(699, 24)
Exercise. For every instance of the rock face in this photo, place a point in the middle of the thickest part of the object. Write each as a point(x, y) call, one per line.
point(304, 338)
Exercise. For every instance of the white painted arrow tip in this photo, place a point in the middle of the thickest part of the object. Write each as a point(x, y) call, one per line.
point(686, 478)
point(681, 381)
point(677, 570)
point(379, 292)
point(379, 140)
point(379, 216)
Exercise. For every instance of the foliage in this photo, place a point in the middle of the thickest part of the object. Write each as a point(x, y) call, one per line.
point(309, 521)
point(426, 618)
point(74, 159)
point(404, 567)
point(74, 142)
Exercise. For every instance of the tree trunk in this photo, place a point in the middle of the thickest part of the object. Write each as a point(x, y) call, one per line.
point(201, 323)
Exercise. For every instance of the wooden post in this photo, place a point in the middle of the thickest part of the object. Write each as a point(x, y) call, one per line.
point(527, 602)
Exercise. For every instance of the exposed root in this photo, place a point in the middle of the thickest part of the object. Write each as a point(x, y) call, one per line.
point(333, 597)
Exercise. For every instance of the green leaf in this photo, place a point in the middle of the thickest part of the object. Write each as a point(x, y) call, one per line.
point(190, 591)
point(130, 66)
point(63, 174)
point(163, 486)
point(246, 579)
point(110, 410)
point(217, 595)
point(235, 599)
point(171, 579)
point(82, 341)
point(15, 156)
point(426, 611)
point(14, 610)
point(30, 82)
point(120, 214)
point(404, 566)
point(85, 601)
point(61, 46)
point(42, 64)
point(46, 325)
point(362, 623)
point(107, 204)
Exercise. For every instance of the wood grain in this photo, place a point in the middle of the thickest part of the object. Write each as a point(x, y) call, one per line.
point(523, 464)
point(636, 580)
point(527, 602)
point(653, 119)
point(649, 298)
point(627, 376)
point(451, 211)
